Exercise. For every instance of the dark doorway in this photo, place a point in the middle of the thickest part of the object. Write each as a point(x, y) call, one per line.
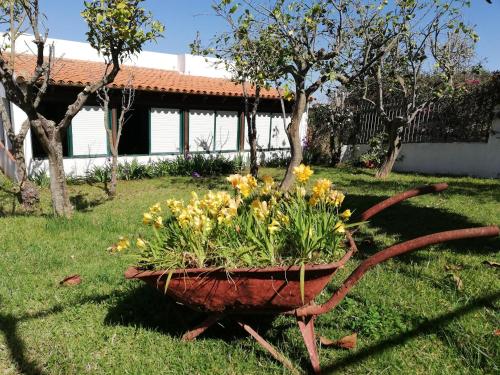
point(135, 133)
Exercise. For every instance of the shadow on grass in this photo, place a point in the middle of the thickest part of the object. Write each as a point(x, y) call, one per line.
point(480, 191)
point(83, 202)
point(149, 309)
point(406, 221)
point(15, 344)
point(430, 326)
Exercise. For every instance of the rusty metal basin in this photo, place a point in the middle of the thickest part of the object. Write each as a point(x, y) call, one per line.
point(239, 290)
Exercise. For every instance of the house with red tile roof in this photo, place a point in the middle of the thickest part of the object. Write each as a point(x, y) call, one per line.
point(183, 104)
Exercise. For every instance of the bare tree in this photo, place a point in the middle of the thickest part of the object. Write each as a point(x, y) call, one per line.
point(401, 74)
point(13, 14)
point(114, 134)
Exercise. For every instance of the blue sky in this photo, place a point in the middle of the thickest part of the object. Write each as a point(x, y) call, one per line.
point(183, 18)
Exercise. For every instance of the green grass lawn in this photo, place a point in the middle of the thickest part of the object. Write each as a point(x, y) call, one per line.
point(409, 314)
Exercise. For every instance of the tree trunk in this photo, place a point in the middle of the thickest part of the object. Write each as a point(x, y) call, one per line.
point(58, 188)
point(252, 140)
point(28, 194)
point(335, 148)
point(293, 133)
point(114, 178)
point(394, 131)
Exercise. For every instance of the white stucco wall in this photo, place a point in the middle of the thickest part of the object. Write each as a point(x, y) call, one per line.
point(80, 166)
point(183, 63)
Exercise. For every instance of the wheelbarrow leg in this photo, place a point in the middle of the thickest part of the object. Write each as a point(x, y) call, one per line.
point(202, 327)
point(266, 345)
point(306, 325)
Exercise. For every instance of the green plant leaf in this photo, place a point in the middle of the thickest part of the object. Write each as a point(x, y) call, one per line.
point(167, 282)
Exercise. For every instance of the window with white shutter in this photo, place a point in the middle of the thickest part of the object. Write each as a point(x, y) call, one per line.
point(278, 133)
point(201, 130)
point(263, 123)
point(165, 130)
point(88, 133)
point(226, 131)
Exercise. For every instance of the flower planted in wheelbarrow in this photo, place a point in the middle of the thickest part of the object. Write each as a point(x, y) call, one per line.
point(256, 225)
point(251, 251)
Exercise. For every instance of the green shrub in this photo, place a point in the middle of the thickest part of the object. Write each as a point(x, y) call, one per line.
point(375, 155)
point(278, 159)
point(203, 165)
point(98, 173)
point(197, 165)
point(40, 177)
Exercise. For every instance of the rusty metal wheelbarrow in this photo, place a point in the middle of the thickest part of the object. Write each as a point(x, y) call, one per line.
point(275, 290)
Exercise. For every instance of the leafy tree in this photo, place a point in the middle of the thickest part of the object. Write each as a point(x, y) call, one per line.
point(117, 29)
point(249, 54)
point(426, 32)
point(314, 42)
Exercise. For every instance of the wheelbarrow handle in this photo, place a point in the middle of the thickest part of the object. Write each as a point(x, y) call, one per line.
point(390, 252)
point(426, 189)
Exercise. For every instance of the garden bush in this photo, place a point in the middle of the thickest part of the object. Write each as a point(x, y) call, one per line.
point(197, 165)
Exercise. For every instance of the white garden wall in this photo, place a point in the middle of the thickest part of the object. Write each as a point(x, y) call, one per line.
point(471, 159)
point(460, 158)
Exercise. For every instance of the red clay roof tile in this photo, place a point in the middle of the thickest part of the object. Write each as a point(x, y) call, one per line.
point(67, 72)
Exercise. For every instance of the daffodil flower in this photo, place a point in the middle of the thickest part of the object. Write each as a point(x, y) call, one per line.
point(147, 218)
point(140, 243)
point(302, 173)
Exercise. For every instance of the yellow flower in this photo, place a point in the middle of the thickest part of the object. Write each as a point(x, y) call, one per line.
point(234, 179)
point(227, 213)
point(301, 191)
point(282, 218)
point(339, 227)
point(140, 243)
point(302, 173)
point(273, 227)
point(184, 217)
point(321, 187)
point(268, 180)
point(155, 209)
point(122, 244)
point(194, 199)
point(346, 214)
point(268, 184)
point(201, 223)
point(175, 206)
point(336, 198)
point(313, 201)
point(158, 223)
point(260, 209)
point(251, 181)
point(147, 218)
point(245, 189)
